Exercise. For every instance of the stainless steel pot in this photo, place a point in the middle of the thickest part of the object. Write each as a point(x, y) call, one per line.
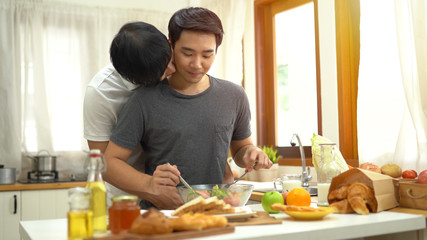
point(7, 175)
point(43, 162)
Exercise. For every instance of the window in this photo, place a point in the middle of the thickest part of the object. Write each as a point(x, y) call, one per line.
point(287, 77)
point(296, 92)
point(274, 76)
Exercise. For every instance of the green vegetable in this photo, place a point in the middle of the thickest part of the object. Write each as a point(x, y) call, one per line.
point(315, 151)
point(218, 192)
point(271, 153)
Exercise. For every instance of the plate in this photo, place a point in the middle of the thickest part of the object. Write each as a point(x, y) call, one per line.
point(241, 213)
point(299, 215)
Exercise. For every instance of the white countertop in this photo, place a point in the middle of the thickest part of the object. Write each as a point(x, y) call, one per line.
point(333, 226)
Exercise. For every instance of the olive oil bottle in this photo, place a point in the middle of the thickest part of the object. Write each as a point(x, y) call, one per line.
point(80, 217)
point(98, 203)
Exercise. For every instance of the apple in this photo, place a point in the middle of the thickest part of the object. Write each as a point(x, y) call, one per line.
point(411, 174)
point(285, 195)
point(422, 178)
point(269, 199)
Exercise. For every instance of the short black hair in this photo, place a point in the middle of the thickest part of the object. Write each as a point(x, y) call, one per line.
point(195, 19)
point(140, 53)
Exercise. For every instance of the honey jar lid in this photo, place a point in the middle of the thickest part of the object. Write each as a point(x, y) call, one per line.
point(123, 198)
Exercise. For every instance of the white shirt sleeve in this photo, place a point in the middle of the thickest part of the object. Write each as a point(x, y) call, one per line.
point(99, 117)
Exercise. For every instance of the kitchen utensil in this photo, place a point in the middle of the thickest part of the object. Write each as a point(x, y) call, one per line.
point(326, 171)
point(237, 195)
point(7, 175)
point(43, 162)
point(188, 186)
point(229, 184)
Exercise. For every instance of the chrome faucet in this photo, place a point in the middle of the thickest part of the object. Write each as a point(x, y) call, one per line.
point(305, 171)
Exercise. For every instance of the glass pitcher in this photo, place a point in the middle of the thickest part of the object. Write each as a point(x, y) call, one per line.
point(326, 170)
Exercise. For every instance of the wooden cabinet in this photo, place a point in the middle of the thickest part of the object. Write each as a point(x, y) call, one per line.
point(44, 204)
point(10, 215)
point(18, 206)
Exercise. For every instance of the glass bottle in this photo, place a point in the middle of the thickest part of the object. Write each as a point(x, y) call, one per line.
point(98, 204)
point(80, 217)
point(326, 170)
point(123, 212)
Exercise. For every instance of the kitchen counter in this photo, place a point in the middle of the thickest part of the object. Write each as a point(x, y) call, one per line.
point(41, 186)
point(390, 225)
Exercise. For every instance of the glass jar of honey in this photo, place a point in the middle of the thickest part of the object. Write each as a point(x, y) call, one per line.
point(123, 212)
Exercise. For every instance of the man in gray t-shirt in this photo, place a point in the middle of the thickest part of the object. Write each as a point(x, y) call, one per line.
point(186, 124)
point(192, 132)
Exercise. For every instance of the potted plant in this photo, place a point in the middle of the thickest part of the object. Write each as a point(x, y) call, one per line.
point(271, 153)
point(266, 175)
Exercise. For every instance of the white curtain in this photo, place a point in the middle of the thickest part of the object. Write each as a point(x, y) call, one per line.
point(229, 59)
point(392, 100)
point(49, 52)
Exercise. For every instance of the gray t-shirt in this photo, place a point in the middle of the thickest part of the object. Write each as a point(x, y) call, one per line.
point(191, 131)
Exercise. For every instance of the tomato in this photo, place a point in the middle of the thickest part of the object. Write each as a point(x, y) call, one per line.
point(233, 199)
point(422, 178)
point(409, 174)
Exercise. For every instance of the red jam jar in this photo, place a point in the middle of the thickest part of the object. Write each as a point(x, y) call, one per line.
point(123, 212)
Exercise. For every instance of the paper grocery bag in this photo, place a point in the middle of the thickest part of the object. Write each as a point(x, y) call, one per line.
point(381, 184)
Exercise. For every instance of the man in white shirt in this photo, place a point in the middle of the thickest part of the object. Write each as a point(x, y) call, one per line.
point(141, 56)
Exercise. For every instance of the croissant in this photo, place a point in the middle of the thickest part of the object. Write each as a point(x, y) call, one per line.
point(338, 194)
point(361, 197)
point(356, 197)
point(197, 221)
point(342, 206)
point(151, 222)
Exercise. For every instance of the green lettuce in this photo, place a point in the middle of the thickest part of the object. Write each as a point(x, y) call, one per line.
point(316, 155)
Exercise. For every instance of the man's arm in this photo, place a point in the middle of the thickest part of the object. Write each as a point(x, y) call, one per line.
point(246, 154)
point(160, 189)
point(228, 174)
point(98, 145)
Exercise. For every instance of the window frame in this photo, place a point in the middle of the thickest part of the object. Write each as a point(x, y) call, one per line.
point(347, 37)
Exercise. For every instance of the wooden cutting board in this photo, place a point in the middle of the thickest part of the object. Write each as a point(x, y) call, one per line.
point(260, 218)
point(169, 236)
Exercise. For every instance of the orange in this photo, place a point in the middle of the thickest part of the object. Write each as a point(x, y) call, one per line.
point(298, 197)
